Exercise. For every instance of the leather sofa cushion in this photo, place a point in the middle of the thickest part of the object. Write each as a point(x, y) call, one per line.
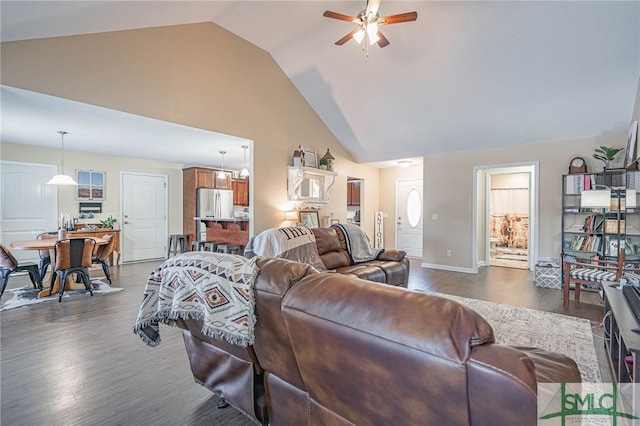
point(395, 271)
point(364, 271)
point(335, 259)
point(392, 255)
point(272, 345)
point(326, 240)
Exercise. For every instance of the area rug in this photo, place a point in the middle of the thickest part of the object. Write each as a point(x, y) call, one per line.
point(546, 330)
point(26, 296)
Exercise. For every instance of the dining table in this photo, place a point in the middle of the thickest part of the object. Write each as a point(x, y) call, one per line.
point(50, 244)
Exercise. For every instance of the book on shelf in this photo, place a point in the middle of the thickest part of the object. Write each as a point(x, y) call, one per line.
point(577, 183)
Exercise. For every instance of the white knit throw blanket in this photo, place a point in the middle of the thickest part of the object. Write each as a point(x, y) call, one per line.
point(213, 287)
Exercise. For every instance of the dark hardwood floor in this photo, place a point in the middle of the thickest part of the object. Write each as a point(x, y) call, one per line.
point(79, 363)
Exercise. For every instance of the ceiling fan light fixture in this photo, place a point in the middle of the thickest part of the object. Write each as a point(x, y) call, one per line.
point(359, 35)
point(373, 38)
point(372, 29)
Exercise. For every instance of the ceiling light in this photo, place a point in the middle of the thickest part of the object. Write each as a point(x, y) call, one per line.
point(404, 163)
point(358, 36)
point(221, 173)
point(244, 173)
point(62, 179)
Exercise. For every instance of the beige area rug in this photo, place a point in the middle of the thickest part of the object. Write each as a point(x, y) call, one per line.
point(567, 335)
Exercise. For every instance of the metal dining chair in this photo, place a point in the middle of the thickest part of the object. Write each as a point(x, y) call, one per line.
point(9, 265)
point(73, 256)
point(103, 252)
point(45, 256)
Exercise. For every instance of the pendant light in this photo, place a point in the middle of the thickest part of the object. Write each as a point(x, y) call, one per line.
point(244, 173)
point(221, 173)
point(62, 179)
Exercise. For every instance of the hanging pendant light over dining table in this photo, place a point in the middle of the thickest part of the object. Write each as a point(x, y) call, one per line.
point(244, 173)
point(62, 179)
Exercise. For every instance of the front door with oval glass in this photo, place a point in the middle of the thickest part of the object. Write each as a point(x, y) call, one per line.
point(409, 216)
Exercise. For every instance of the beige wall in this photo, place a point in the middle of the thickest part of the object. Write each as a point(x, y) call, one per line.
point(198, 75)
point(203, 76)
point(448, 191)
point(112, 165)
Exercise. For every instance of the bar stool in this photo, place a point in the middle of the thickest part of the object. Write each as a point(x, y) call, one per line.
point(210, 246)
point(174, 240)
point(197, 245)
point(229, 248)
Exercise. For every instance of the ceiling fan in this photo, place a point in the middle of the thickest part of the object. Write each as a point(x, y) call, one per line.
point(369, 21)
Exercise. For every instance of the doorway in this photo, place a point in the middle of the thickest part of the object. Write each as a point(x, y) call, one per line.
point(24, 217)
point(409, 215)
point(144, 214)
point(355, 189)
point(508, 204)
point(506, 215)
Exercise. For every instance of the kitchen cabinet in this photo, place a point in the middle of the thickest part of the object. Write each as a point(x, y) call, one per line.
point(240, 189)
point(203, 177)
point(194, 178)
point(353, 193)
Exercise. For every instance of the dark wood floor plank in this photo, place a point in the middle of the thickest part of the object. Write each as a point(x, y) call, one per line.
point(79, 363)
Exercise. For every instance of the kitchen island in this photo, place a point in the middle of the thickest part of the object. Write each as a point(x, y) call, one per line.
point(227, 231)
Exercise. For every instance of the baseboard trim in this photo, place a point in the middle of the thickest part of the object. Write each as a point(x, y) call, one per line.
point(449, 268)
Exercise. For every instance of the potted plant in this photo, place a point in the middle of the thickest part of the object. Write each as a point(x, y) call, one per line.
point(108, 222)
point(606, 155)
point(324, 163)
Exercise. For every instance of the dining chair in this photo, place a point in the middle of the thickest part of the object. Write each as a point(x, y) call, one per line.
point(9, 265)
point(45, 255)
point(591, 271)
point(103, 252)
point(73, 255)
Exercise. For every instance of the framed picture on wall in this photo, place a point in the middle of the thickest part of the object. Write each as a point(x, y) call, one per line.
point(309, 218)
point(90, 184)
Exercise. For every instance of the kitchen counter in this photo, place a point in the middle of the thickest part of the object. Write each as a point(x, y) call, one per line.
point(229, 230)
point(220, 219)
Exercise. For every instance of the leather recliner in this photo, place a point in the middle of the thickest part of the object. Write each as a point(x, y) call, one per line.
point(335, 349)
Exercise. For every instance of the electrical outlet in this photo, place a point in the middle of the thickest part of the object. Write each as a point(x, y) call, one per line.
point(448, 253)
point(435, 216)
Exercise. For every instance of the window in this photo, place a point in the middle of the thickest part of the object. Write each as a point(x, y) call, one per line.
point(90, 185)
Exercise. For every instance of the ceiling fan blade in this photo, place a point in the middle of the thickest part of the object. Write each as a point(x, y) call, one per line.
point(396, 19)
point(382, 41)
point(372, 7)
point(346, 38)
point(340, 16)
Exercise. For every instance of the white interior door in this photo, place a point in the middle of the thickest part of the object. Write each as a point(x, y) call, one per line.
point(409, 215)
point(144, 216)
point(28, 206)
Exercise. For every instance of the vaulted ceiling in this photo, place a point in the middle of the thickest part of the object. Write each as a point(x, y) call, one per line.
point(464, 76)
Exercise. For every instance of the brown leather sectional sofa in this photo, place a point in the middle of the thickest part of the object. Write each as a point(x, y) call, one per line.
point(335, 349)
point(390, 267)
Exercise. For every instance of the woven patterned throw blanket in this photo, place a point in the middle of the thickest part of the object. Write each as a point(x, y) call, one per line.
point(213, 287)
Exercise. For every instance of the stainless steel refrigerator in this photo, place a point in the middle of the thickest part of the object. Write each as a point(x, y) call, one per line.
point(214, 203)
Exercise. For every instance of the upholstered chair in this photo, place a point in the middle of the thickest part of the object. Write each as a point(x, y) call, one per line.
point(102, 254)
point(9, 265)
point(593, 271)
point(74, 256)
